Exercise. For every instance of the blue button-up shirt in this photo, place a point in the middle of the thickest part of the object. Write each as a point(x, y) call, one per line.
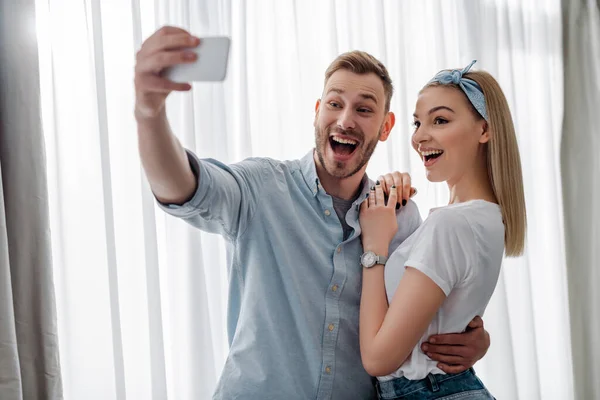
point(295, 283)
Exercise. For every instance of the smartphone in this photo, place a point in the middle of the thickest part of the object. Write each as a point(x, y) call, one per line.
point(210, 65)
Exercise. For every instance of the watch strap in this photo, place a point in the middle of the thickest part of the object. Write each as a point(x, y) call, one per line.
point(381, 260)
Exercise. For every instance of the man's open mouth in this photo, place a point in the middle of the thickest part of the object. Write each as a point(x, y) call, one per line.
point(342, 146)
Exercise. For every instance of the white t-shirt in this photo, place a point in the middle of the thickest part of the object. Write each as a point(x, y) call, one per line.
point(460, 247)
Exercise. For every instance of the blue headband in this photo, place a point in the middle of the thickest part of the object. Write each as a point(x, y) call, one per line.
point(469, 86)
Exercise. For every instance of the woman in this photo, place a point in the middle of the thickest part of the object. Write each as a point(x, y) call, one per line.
point(443, 275)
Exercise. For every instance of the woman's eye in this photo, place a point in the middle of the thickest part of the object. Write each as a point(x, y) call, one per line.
point(439, 121)
point(416, 124)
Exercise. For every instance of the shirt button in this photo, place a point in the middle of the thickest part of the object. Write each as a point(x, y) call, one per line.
point(339, 249)
point(334, 288)
point(328, 370)
point(330, 327)
point(327, 212)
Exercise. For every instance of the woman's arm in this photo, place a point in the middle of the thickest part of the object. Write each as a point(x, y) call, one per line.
point(388, 335)
point(387, 338)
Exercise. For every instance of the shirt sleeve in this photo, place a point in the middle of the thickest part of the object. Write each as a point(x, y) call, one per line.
point(444, 249)
point(226, 195)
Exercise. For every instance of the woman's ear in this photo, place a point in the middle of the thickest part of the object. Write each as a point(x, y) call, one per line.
point(485, 134)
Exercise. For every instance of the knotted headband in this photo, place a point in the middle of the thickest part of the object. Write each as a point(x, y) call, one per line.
point(469, 86)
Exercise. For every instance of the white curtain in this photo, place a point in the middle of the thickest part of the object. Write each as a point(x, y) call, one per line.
point(581, 169)
point(141, 296)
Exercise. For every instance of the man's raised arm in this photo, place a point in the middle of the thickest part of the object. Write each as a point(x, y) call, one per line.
point(163, 158)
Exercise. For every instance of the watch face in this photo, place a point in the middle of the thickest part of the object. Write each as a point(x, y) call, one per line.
point(368, 259)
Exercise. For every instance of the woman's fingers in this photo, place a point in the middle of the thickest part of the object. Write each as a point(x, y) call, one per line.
point(380, 199)
point(405, 188)
point(384, 184)
point(372, 195)
point(402, 181)
point(364, 207)
point(393, 197)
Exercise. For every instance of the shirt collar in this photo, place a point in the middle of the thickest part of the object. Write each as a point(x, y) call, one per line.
point(309, 172)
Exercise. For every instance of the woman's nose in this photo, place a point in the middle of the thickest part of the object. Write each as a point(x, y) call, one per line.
point(420, 136)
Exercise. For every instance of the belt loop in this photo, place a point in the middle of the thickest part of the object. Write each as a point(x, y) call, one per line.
point(377, 388)
point(433, 382)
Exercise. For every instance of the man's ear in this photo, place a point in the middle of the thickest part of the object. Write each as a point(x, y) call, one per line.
point(388, 124)
point(485, 134)
point(317, 105)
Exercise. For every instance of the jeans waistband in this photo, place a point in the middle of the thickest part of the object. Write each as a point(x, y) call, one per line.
point(402, 386)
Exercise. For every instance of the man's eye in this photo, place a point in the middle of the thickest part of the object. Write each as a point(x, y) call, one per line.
point(364, 110)
point(334, 104)
point(440, 121)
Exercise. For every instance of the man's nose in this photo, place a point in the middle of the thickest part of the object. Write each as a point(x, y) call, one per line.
point(346, 119)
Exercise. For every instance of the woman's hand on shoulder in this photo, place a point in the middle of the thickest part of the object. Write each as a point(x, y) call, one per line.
point(378, 219)
point(402, 182)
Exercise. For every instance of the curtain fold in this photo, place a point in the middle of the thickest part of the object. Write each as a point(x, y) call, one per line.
point(581, 190)
point(143, 295)
point(29, 355)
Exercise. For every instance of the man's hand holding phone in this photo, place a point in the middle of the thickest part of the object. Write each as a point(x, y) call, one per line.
point(171, 58)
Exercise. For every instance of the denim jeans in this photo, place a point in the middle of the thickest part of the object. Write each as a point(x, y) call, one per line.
point(464, 385)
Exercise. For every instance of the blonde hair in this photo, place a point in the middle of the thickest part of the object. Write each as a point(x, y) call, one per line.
point(360, 62)
point(503, 161)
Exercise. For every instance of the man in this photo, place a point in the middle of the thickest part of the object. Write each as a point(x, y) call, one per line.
point(293, 230)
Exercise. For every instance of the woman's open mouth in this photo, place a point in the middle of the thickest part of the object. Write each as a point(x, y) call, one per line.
point(431, 156)
point(343, 148)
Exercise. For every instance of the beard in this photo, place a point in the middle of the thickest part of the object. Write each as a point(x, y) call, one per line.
point(362, 154)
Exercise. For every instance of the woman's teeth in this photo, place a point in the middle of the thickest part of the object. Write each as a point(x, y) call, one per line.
point(428, 153)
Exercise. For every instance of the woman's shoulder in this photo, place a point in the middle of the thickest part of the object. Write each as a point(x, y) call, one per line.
point(446, 217)
point(475, 219)
point(467, 213)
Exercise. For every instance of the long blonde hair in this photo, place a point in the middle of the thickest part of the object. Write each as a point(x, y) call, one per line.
point(503, 161)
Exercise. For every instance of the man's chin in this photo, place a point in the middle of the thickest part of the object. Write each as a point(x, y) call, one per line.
point(340, 169)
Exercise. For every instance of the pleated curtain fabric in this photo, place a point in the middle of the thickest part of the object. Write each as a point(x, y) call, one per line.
point(581, 188)
point(29, 354)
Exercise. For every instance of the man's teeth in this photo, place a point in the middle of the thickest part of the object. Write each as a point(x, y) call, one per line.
point(344, 141)
point(431, 152)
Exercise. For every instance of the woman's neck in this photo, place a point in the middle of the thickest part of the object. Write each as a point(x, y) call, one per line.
point(473, 185)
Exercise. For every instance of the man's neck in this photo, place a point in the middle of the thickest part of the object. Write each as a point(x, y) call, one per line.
point(343, 188)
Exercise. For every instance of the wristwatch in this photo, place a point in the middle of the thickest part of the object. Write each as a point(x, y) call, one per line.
point(370, 259)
